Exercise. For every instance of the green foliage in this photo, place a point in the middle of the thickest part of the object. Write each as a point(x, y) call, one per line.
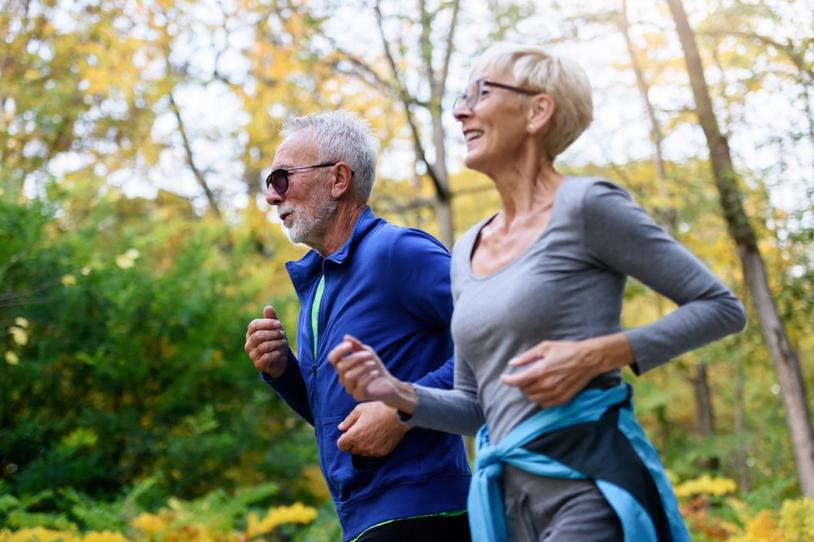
point(132, 366)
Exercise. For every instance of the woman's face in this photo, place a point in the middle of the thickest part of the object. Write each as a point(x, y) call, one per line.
point(495, 127)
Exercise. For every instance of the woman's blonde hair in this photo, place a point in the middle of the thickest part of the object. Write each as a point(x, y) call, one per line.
point(561, 78)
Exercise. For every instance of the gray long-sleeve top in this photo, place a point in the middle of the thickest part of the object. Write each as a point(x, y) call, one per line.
point(569, 286)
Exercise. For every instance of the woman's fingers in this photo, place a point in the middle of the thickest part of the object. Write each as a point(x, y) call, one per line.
point(357, 365)
point(355, 343)
point(356, 379)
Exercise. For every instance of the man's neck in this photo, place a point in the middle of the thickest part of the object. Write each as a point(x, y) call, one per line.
point(341, 229)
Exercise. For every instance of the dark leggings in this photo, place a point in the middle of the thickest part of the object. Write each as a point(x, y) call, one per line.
point(426, 529)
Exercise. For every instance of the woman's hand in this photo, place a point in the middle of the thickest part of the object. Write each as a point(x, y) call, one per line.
point(553, 372)
point(365, 377)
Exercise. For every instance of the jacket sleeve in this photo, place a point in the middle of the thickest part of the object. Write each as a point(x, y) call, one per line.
point(419, 267)
point(291, 387)
point(443, 377)
point(620, 236)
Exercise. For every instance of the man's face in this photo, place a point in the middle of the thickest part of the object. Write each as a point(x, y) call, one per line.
point(307, 208)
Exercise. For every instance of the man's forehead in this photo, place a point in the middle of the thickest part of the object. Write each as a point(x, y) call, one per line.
point(297, 146)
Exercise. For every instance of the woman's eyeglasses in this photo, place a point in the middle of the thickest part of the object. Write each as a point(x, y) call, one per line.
point(477, 89)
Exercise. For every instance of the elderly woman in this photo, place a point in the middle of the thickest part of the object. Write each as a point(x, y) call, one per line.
point(538, 293)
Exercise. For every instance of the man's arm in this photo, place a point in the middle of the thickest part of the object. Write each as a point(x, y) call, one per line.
point(267, 346)
point(443, 377)
point(291, 387)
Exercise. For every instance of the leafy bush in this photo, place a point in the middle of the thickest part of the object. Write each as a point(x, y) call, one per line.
point(122, 352)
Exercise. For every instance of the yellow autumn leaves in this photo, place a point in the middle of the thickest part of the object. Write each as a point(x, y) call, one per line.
point(19, 336)
point(167, 527)
point(706, 485)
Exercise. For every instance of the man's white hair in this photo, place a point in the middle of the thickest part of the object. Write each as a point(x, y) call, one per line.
point(560, 78)
point(342, 135)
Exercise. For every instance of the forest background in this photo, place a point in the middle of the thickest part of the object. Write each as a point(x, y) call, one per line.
point(135, 243)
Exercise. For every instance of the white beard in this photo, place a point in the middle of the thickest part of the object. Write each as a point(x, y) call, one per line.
point(306, 227)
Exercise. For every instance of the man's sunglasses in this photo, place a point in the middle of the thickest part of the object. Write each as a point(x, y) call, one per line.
point(278, 178)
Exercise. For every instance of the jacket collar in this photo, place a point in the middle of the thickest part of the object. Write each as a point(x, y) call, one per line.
point(307, 269)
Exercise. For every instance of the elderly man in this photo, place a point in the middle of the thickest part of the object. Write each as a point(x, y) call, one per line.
point(388, 285)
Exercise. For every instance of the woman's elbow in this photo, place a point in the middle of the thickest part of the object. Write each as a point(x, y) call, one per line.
point(736, 315)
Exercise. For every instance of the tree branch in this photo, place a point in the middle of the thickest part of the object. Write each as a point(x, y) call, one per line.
point(191, 159)
point(440, 189)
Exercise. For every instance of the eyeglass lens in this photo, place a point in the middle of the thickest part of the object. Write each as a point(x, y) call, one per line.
point(278, 179)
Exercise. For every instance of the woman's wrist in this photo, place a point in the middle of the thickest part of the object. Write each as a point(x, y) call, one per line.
point(609, 352)
point(405, 399)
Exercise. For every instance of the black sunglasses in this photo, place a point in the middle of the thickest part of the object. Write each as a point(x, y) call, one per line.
point(278, 178)
point(475, 92)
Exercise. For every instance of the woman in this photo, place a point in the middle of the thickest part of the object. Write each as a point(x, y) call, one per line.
point(539, 346)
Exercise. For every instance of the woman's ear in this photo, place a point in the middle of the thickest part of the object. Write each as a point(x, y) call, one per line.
point(541, 111)
point(342, 181)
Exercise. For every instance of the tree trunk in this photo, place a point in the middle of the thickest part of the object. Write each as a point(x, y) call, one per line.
point(436, 82)
point(704, 413)
point(740, 431)
point(786, 362)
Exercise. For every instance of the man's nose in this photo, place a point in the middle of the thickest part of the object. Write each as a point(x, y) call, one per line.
point(272, 197)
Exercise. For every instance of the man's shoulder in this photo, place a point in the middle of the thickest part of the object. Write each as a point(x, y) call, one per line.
point(391, 241)
point(416, 238)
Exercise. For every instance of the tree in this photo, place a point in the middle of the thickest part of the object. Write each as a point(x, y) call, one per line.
point(786, 362)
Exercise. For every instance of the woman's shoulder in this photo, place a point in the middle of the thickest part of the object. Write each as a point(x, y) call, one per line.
point(588, 194)
point(591, 187)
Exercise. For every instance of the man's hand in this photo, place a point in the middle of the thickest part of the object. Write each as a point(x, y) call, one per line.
point(371, 430)
point(267, 344)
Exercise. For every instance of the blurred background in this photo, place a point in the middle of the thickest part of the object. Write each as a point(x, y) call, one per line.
point(136, 245)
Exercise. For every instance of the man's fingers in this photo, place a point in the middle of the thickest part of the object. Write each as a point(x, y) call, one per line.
point(265, 362)
point(264, 323)
point(270, 346)
point(349, 420)
point(264, 335)
point(344, 443)
point(269, 312)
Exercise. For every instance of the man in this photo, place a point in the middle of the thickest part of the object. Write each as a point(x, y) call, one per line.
point(385, 284)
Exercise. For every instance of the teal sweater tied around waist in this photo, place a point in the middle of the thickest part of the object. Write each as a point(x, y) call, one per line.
point(639, 492)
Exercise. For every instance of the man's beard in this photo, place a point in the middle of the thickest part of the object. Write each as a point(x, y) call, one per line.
point(308, 228)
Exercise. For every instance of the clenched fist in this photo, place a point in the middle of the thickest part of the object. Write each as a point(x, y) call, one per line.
point(267, 344)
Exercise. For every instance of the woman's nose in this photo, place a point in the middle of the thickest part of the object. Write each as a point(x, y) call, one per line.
point(461, 111)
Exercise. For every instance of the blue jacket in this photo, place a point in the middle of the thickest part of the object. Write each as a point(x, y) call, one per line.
point(389, 287)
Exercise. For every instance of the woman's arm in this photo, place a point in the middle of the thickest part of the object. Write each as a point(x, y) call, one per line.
point(366, 378)
point(622, 237)
point(452, 411)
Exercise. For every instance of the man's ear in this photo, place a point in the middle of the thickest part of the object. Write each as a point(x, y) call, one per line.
point(541, 111)
point(342, 181)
